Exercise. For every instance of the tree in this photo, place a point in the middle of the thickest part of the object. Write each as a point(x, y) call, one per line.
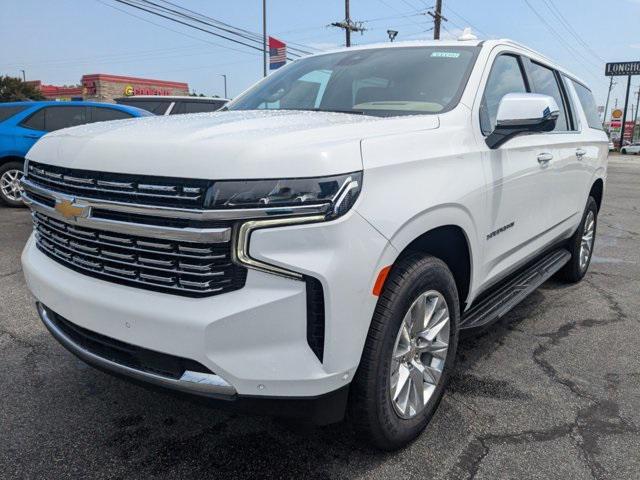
point(13, 89)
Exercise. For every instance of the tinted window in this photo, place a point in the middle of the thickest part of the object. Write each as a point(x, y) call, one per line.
point(104, 114)
point(35, 121)
point(546, 83)
point(56, 118)
point(154, 106)
point(408, 81)
point(588, 105)
point(8, 112)
point(505, 77)
point(195, 107)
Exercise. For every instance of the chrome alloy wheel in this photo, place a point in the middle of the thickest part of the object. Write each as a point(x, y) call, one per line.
point(586, 243)
point(419, 354)
point(10, 184)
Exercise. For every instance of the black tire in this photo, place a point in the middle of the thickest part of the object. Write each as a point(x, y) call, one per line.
point(573, 271)
point(4, 199)
point(370, 406)
point(623, 151)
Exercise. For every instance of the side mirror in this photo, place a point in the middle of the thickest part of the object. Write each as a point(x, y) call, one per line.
point(522, 113)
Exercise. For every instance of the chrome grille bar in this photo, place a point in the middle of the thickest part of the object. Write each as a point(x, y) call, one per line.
point(174, 213)
point(205, 235)
point(125, 244)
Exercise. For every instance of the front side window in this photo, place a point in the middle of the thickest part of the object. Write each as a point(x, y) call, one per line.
point(99, 114)
point(505, 77)
point(154, 106)
point(379, 82)
point(588, 104)
point(56, 118)
point(196, 107)
point(545, 82)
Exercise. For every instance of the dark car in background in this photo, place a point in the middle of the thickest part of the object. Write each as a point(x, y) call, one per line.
point(174, 105)
point(23, 123)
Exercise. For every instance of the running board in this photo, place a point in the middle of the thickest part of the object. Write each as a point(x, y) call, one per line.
point(511, 293)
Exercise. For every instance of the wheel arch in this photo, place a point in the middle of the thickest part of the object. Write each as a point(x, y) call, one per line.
point(597, 191)
point(11, 158)
point(449, 234)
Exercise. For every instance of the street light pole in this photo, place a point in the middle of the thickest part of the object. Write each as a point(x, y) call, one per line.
point(24, 76)
point(264, 37)
point(225, 84)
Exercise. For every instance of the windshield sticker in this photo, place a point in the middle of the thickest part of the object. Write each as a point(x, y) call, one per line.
point(445, 54)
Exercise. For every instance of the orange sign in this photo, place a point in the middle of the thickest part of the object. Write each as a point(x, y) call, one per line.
point(617, 113)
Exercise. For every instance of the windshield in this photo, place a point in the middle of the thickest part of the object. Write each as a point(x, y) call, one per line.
point(382, 82)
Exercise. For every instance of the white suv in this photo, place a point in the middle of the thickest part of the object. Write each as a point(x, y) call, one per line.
point(318, 247)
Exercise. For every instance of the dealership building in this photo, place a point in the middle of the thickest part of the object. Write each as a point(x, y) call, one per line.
point(104, 87)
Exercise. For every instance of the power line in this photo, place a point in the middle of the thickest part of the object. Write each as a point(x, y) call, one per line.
point(554, 10)
point(137, 6)
point(213, 22)
point(466, 21)
point(563, 42)
point(171, 29)
point(398, 11)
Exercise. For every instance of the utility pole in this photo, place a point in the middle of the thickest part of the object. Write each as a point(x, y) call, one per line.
point(264, 37)
point(624, 115)
point(606, 105)
point(437, 19)
point(348, 25)
point(24, 76)
point(635, 120)
point(347, 18)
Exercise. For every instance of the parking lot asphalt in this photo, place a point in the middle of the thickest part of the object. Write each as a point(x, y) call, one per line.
point(553, 391)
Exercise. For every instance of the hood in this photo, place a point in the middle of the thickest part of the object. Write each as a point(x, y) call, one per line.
point(221, 145)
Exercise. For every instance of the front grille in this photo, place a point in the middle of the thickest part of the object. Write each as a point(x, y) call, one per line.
point(178, 267)
point(119, 187)
point(126, 354)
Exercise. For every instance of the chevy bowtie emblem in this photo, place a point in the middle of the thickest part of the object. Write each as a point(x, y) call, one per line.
point(69, 210)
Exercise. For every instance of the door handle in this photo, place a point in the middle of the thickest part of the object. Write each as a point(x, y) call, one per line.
point(544, 158)
point(580, 153)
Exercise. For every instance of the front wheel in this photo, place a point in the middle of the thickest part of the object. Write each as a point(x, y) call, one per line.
point(581, 245)
point(623, 151)
point(409, 353)
point(10, 189)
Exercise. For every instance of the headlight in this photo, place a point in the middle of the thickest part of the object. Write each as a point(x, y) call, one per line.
point(333, 195)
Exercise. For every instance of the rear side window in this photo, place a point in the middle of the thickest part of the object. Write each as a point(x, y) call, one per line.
point(545, 82)
point(8, 112)
point(35, 121)
point(154, 106)
point(505, 77)
point(588, 104)
point(99, 114)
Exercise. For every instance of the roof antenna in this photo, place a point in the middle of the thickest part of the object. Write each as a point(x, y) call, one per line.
point(467, 35)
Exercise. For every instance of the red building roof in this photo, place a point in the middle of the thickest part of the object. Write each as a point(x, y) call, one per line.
point(94, 77)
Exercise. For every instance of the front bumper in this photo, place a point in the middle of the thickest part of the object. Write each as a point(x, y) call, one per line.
point(253, 340)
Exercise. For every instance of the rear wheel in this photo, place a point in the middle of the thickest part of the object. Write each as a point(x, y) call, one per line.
point(623, 151)
point(408, 355)
point(10, 189)
point(581, 245)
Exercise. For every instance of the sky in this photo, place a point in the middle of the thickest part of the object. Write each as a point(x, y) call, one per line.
point(59, 41)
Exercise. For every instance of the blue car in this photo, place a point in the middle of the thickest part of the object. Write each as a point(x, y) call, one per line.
point(23, 123)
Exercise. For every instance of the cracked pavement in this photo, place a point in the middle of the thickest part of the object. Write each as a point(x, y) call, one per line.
point(552, 391)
